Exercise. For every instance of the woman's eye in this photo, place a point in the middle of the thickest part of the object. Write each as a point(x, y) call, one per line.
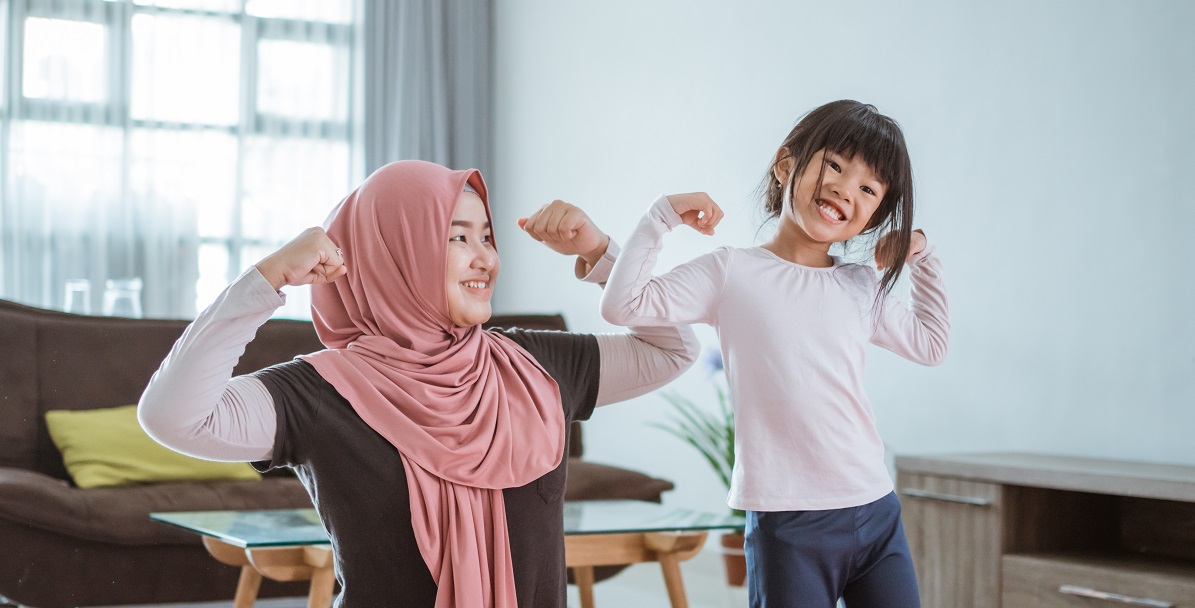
point(459, 238)
point(489, 238)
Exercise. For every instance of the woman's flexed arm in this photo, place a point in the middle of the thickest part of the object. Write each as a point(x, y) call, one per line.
point(193, 404)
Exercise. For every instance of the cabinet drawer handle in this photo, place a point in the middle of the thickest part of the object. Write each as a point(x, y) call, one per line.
point(928, 495)
point(1113, 597)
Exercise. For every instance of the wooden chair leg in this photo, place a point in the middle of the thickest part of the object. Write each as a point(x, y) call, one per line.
point(247, 587)
point(583, 575)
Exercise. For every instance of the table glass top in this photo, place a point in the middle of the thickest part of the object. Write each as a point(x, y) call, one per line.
point(302, 526)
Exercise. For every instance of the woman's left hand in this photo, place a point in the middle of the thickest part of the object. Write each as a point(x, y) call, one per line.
point(885, 249)
point(564, 228)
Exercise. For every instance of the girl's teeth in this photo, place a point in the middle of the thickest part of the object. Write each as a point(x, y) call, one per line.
point(830, 211)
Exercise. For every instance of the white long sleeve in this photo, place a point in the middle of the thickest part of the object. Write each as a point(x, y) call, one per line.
point(193, 404)
point(644, 359)
point(921, 331)
point(687, 294)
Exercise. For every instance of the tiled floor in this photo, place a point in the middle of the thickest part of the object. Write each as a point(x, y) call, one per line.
point(639, 586)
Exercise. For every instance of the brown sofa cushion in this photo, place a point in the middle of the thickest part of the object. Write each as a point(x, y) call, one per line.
point(120, 515)
point(593, 481)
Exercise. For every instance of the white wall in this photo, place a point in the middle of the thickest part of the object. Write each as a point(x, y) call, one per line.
point(1052, 147)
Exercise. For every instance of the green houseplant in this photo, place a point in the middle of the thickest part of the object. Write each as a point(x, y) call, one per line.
point(711, 433)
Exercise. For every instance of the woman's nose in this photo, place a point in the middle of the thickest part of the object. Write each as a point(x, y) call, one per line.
point(484, 257)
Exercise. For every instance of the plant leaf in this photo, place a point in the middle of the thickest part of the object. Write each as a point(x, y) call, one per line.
point(711, 434)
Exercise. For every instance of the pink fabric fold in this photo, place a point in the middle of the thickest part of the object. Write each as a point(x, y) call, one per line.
point(469, 411)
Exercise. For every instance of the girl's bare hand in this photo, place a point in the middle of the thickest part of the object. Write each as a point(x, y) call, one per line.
point(697, 210)
point(886, 248)
point(308, 259)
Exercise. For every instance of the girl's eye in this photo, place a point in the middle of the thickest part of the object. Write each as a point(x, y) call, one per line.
point(834, 165)
point(868, 190)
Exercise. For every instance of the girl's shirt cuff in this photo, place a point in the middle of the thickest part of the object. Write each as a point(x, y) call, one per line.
point(662, 210)
point(924, 253)
point(600, 273)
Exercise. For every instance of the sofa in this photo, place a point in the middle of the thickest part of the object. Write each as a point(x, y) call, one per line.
point(63, 546)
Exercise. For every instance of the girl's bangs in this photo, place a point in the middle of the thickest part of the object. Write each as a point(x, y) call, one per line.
point(877, 141)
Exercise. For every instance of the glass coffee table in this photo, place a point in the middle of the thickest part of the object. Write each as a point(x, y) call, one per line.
point(291, 545)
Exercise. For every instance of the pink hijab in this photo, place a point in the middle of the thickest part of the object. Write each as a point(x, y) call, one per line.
point(469, 411)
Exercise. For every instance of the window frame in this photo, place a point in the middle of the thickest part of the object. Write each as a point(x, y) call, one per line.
point(117, 15)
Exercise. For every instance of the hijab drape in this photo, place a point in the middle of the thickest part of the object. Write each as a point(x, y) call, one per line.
point(469, 411)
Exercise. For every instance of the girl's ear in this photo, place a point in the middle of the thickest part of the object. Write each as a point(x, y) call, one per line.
point(783, 166)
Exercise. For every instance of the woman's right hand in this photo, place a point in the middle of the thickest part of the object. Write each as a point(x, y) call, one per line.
point(308, 259)
point(697, 210)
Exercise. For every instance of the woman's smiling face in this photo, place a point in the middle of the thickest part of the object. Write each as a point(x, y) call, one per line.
point(472, 263)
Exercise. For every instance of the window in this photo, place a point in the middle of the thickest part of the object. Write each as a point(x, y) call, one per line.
point(176, 141)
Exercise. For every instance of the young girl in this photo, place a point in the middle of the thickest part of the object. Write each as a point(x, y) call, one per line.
point(794, 321)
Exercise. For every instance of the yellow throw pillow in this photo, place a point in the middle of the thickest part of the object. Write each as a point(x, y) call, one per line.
point(108, 447)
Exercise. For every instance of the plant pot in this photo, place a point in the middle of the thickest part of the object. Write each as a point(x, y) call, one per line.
point(734, 559)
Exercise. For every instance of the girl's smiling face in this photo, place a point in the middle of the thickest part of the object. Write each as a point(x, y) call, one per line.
point(841, 208)
point(472, 263)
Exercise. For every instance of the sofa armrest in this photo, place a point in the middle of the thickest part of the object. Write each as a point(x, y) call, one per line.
point(23, 492)
point(593, 481)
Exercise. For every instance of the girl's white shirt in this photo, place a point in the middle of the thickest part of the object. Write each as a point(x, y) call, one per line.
point(793, 340)
point(194, 405)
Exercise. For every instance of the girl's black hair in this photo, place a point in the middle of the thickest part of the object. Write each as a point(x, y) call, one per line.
point(851, 128)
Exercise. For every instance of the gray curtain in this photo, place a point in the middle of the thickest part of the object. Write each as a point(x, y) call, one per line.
point(427, 87)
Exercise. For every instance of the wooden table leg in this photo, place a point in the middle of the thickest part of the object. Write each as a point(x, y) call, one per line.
point(279, 564)
point(247, 587)
point(671, 548)
point(583, 575)
point(322, 583)
point(672, 580)
point(584, 551)
point(249, 582)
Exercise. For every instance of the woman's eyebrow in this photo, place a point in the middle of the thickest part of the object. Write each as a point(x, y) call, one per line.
point(468, 224)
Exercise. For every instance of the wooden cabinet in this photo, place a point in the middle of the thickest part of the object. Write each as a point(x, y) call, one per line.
point(953, 527)
point(1036, 531)
point(1082, 581)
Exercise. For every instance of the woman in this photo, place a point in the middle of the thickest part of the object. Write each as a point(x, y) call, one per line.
point(432, 449)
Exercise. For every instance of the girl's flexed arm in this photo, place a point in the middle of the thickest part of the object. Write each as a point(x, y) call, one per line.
point(645, 358)
point(688, 293)
point(633, 363)
point(919, 332)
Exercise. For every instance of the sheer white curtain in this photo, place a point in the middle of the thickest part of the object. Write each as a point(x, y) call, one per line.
point(174, 141)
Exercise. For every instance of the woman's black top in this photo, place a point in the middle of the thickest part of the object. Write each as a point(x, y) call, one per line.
point(357, 483)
